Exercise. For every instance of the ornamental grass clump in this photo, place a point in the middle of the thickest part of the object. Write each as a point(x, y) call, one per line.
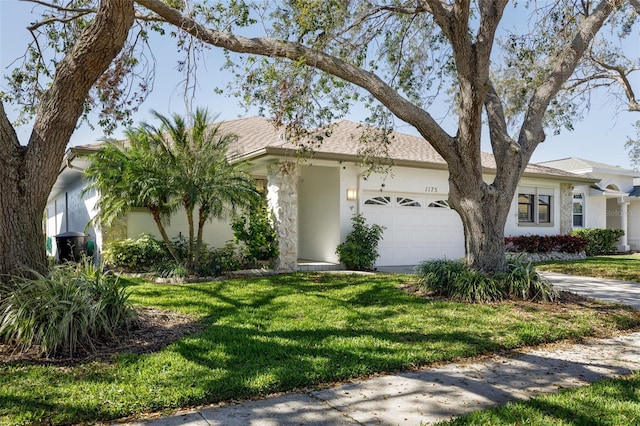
point(522, 281)
point(453, 280)
point(66, 311)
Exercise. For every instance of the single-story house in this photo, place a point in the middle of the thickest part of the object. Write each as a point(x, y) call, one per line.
point(313, 199)
point(612, 203)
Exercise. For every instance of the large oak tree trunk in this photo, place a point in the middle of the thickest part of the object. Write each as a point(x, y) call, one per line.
point(27, 173)
point(484, 214)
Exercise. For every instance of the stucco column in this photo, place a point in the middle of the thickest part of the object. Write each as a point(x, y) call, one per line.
point(566, 208)
point(282, 199)
point(623, 245)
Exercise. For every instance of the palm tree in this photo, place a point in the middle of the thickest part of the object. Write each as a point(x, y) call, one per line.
point(177, 164)
point(129, 175)
point(205, 179)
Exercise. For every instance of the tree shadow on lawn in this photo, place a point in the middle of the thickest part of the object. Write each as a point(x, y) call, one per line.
point(242, 353)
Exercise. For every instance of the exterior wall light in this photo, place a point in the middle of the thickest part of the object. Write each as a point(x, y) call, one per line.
point(352, 194)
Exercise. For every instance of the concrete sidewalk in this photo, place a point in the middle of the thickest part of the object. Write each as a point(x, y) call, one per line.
point(432, 394)
point(440, 393)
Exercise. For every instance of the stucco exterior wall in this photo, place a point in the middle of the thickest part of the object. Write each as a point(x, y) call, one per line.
point(513, 228)
point(408, 180)
point(633, 223)
point(319, 213)
point(216, 232)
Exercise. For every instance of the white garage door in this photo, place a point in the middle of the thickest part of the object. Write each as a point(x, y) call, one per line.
point(418, 227)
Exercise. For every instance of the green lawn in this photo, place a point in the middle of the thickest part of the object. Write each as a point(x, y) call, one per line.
point(618, 267)
point(609, 402)
point(280, 333)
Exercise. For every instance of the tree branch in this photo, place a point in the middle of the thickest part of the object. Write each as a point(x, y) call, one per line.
point(61, 8)
point(39, 24)
point(393, 9)
point(501, 142)
point(532, 132)
point(8, 139)
point(264, 46)
point(93, 52)
point(621, 77)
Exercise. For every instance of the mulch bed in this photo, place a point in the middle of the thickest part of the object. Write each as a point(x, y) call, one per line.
point(155, 330)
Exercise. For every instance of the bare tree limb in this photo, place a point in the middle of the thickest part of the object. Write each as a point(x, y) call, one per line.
point(498, 129)
point(62, 8)
point(621, 76)
point(39, 24)
point(392, 9)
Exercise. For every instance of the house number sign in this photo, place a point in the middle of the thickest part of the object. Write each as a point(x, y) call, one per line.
point(431, 189)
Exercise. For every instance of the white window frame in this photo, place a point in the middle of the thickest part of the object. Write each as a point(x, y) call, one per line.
point(536, 193)
point(580, 201)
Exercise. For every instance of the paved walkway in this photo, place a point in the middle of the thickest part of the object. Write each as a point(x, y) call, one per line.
point(437, 394)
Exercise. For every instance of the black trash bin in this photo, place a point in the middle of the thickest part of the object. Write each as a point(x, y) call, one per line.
point(71, 246)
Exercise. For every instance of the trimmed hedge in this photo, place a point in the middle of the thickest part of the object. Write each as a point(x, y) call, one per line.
point(599, 241)
point(545, 243)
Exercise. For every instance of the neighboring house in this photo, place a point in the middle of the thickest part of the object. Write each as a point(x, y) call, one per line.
point(612, 203)
point(313, 199)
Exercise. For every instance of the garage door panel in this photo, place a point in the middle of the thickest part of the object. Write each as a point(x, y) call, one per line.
point(414, 234)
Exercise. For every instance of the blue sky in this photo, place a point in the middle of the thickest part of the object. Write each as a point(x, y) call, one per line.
point(600, 136)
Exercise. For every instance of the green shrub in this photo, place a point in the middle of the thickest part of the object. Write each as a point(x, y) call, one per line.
point(135, 254)
point(599, 241)
point(217, 261)
point(257, 234)
point(170, 269)
point(453, 280)
point(359, 251)
point(66, 311)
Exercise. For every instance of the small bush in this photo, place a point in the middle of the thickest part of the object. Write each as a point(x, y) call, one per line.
point(359, 251)
point(599, 241)
point(66, 311)
point(223, 259)
point(545, 243)
point(257, 234)
point(170, 269)
point(135, 254)
point(453, 280)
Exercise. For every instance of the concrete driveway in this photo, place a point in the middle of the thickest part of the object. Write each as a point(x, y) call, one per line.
point(615, 291)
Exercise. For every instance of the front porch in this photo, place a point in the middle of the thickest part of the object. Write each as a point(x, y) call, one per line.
point(306, 265)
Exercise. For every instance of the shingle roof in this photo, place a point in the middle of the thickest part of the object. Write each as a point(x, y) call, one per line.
point(256, 135)
point(576, 164)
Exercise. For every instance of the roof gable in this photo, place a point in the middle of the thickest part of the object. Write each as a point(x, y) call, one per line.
point(583, 166)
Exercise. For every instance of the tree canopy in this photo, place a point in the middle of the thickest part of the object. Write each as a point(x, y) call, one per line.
point(308, 62)
point(400, 56)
